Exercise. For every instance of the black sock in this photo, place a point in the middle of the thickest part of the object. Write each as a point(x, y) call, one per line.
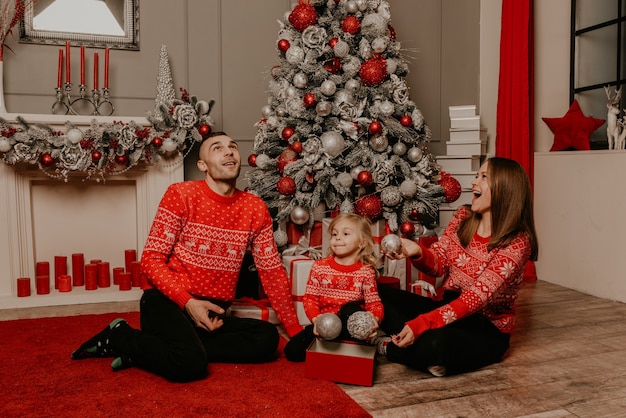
point(100, 344)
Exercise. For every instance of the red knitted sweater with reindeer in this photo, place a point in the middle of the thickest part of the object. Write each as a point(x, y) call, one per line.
point(197, 242)
point(332, 285)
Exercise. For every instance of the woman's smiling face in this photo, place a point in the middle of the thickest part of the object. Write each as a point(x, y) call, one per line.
point(481, 188)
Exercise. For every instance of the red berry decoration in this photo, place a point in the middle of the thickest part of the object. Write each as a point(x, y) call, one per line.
point(121, 159)
point(157, 141)
point(333, 66)
point(364, 178)
point(333, 42)
point(286, 186)
point(451, 188)
point(296, 147)
point(286, 157)
point(252, 160)
point(302, 16)
point(96, 156)
point(375, 127)
point(369, 206)
point(415, 215)
point(309, 100)
point(373, 71)
point(392, 32)
point(406, 121)
point(283, 45)
point(287, 133)
point(351, 25)
point(204, 130)
point(46, 159)
point(407, 229)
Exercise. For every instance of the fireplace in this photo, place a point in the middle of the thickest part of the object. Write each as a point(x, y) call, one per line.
point(42, 217)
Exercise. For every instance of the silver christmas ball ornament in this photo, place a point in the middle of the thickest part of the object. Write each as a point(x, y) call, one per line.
point(345, 179)
point(353, 84)
point(74, 135)
point(333, 143)
point(203, 107)
point(294, 55)
point(263, 161)
point(356, 170)
point(399, 148)
point(387, 108)
point(323, 108)
point(328, 326)
point(341, 49)
point(391, 243)
point(5, 145)
point(266, 111)
point(328, 88)
point(299, 215)
point(361, 325)
point(351, 6)
point(392, 66)
point(414, 154)
point(280, 237)
point(169, 145)
point(300, 80)
point(408, 187)
point(379, 143)
point(380, 44)
point(391, 196)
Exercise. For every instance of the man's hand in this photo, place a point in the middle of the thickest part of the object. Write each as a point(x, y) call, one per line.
point(199, 311)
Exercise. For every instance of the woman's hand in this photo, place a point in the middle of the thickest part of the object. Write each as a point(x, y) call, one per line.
point(405, 338)
point(408, 248)
point(200, 313)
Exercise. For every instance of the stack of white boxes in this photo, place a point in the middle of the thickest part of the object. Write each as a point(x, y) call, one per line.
point(465, 150)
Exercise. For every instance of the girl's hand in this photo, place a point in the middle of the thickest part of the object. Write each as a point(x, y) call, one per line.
point(405, 338)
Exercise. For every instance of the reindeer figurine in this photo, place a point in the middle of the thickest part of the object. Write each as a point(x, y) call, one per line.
point(612, 127)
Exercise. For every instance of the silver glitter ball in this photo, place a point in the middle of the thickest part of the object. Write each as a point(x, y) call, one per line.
point(361, 325)
point(391, 243)
point(328, 326)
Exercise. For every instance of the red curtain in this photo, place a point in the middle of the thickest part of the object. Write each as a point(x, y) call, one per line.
point(514, 121)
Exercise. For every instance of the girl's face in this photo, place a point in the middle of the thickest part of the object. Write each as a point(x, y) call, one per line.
point(345, 239)
point(481, 188)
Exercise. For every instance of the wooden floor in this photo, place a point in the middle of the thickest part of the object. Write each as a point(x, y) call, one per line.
point(567, 359)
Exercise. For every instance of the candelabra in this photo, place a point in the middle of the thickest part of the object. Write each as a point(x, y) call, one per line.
point(97, 104)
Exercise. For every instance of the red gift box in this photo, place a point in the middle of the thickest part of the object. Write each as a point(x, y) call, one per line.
point(342, 362)
point(298, 268)
point(295, 232)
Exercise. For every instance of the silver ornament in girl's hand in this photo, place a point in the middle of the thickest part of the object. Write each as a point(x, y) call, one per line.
point(391, 243)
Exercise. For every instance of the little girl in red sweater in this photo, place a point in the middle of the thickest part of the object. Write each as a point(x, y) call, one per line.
point(342, 283)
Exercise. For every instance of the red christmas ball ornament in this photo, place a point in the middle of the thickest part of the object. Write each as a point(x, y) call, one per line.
point(252, 160)
point(96, 156)
point(46, 159)
point(287, 133)
point(369, 206)
point(351, 25)
point(302, 16)
point(375, 127)
point(392, 32)
point(415, 215)
point(333, 42)
point(204, 130)
point(157, 141)
point(283, 45)
point(364, 178)
point(451, 188)
point(333, 65)
point(121, 159)
point(296, 147)
point(286, 186)
point(406, 121)
point(407, 229)
point(285, 157)
point(373, 71)
point(309, 100)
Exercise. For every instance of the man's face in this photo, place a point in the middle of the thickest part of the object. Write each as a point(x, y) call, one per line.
point(220, 158)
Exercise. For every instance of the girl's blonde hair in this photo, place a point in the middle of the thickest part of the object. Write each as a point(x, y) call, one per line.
point(367, 253)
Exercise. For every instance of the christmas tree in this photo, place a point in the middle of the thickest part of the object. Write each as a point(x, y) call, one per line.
point(339, 131)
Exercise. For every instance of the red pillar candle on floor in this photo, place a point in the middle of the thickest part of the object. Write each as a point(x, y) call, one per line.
point(42, 284)
point(125, 281)
point(91, 276)
point(65, 283)
point(129, 257)
point(104, 274)
point(60, 268)
point(116, 274)
point(23, 287)
point(135, 273)
point(42, 268)
point(78, 269)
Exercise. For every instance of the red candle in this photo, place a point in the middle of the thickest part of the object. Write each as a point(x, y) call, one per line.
point(42, 268)
point(67, 61)
point(60, 268)
point(91, 276)
point(129, 257)
point(95, 71)
point(78, 269)
point(60, 71)
point(23, 287)
point(106, 68)
point(43, 284)
point(82, 65)
point(116, 274)
point(95, 262)
point(104, 274)
point(135, 273)
point(65, 283)
point(125, 281)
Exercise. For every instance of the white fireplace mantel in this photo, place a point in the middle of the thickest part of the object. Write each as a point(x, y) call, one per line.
point(41, 217)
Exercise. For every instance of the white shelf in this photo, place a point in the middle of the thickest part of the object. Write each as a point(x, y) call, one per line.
point(77, 295)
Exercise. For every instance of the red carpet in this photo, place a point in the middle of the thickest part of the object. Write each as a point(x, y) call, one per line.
point(38, 378)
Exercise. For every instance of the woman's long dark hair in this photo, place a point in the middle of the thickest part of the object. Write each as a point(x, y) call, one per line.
point(511, 207)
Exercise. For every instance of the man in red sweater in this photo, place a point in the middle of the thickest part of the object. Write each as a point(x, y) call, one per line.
point(192, 260)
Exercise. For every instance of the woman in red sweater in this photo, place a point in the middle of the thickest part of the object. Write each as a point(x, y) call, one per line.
point(482, 255)
point(342, 283)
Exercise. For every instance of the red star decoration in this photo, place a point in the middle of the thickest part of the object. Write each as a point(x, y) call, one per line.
point(572, 131)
